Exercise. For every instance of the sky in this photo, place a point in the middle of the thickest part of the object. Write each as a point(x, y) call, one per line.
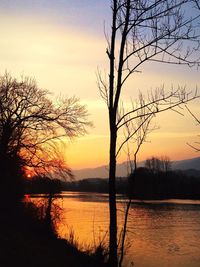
point(61, 44)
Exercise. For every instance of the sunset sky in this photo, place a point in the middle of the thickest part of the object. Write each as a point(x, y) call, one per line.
point(61, 43)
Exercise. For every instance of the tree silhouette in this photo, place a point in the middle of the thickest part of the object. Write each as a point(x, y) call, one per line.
point(156, 165)
point(143, 31)
point(30, 126)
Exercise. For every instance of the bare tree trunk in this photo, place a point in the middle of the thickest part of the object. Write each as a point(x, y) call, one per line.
point(113, 259)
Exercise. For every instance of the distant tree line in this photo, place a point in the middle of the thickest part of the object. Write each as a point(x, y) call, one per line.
point(157, 181)
point(163, 185)
point(146, 185)
point(94, 185)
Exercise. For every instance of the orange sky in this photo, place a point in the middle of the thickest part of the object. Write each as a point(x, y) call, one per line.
point(64, 57)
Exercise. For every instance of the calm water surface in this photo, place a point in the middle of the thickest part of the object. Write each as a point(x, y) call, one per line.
point(160, 233)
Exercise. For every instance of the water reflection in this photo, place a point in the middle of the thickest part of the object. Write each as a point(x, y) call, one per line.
point(160, 233)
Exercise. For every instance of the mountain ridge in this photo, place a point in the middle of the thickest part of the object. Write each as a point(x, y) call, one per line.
point(102, 171)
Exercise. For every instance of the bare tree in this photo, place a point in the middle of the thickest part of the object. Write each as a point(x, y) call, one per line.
point(31, 124)
point(143, 31)
point(166, 163)
point(156, 165)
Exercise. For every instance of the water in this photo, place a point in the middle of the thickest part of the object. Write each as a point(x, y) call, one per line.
point(160, 233)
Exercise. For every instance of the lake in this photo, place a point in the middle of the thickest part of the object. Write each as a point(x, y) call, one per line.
point(160, 233)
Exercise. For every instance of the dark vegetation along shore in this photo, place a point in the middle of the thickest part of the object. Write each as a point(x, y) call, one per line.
point(29, 239)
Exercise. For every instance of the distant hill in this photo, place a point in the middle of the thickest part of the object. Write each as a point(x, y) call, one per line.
point(102, 172)
point(187, 164)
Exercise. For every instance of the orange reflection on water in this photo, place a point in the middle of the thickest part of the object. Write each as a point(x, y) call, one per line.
point(88, 220)
point(159, 234)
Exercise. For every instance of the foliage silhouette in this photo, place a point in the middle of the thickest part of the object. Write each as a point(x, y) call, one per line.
point(30, 126)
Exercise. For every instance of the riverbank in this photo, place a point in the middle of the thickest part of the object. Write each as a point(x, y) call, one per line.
point(24, 242)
